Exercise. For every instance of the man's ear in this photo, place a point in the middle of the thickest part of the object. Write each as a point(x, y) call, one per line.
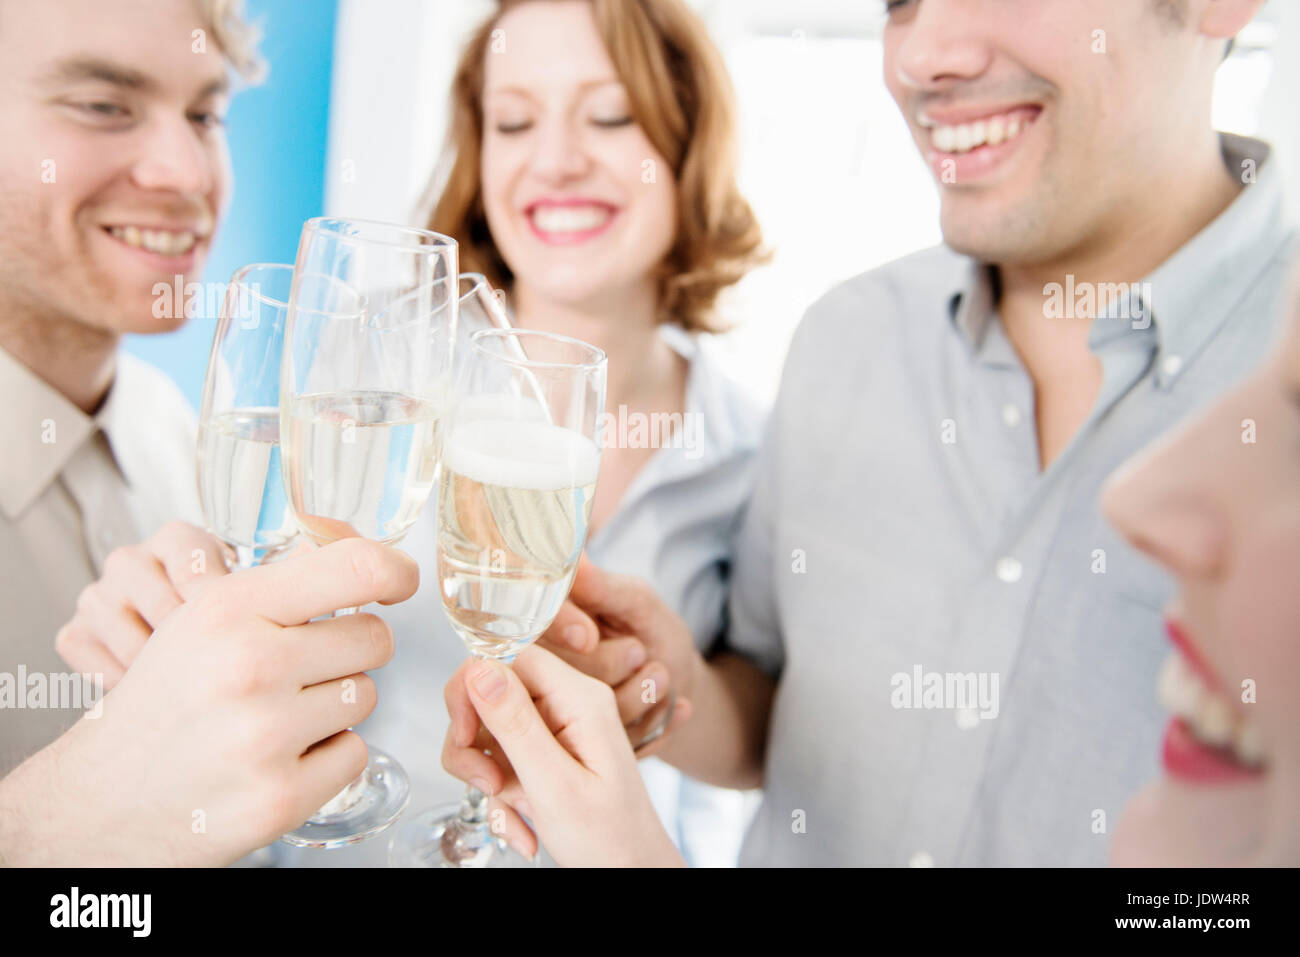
point(1224, 19)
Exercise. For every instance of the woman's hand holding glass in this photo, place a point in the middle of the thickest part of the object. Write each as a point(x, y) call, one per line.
point(518, 477)
point(562, 758)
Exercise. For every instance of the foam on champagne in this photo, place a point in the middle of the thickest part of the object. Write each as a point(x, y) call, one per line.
point(525, 455)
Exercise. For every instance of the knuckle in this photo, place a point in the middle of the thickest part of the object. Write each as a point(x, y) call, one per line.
point(354, 753)
point(277, 801)
point(175, 531)
point(367, 693)
point(367, 564)
point(250, 736)
point(246, 669)
point(380, 636)
point(66, 639)
point(599, 694)
point(520, 720)
point(88, 601)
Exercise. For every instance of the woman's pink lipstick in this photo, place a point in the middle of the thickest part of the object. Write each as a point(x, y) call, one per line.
point(1191, 654)
point(1186, 758)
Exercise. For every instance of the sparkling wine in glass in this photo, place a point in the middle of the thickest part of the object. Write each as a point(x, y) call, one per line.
point(518, 477)
point(239, 466)
point(361, 399)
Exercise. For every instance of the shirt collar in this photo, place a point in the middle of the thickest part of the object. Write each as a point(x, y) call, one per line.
point(1192, 293)
point(725, 420)
point(40, 432)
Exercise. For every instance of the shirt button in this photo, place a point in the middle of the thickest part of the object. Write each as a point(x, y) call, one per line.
point(1009, 570)
point(1010, 416)
point(921, 859)
point(1171, 365)
point(967, 718)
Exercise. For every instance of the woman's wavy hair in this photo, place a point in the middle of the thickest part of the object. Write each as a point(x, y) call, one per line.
point(681, 96)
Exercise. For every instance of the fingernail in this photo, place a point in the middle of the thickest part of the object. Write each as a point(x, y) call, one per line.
point(575, 635)
point(636, 656)
point(487, 681)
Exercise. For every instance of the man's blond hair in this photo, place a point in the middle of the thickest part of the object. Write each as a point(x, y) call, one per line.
point(236, 37)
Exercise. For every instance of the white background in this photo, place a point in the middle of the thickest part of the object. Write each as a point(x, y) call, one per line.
point(836, 181)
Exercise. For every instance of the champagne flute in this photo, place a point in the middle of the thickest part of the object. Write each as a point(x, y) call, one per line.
point(360, 403)
point(520, 459)
point(240, 486)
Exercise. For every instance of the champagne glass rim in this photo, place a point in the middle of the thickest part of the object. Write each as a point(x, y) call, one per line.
point(480, 290)
point(475, 279)
point(239, 278)
point(410, 236)
point(596, 360)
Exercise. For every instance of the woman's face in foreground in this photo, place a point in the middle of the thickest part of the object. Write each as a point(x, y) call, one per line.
point(1218, 504)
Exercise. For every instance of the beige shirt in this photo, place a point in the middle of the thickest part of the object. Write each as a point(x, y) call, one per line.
point(72, 488)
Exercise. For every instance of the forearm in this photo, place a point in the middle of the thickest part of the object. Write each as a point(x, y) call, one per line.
point(26, 797)
point(725, 740)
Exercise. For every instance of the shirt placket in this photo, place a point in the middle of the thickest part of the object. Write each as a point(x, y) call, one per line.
point(985, 636)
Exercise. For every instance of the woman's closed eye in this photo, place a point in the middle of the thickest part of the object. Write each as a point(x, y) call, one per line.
point(512, 126)
point(612, 121)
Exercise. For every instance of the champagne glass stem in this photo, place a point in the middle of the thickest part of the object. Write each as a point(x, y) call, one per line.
point(468, 836)
point(352, 790)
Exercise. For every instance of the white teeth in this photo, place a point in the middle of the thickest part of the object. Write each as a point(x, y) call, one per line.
point(161, 241)
point(964, 137)
point(1214, 721)
point(1247, 744)
point(1208, 715)
point(569, 219)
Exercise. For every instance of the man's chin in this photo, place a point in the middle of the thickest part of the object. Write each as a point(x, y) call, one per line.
point(990, 231)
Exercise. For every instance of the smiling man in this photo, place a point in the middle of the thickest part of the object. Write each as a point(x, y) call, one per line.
point(927, 493)
point(115, 172)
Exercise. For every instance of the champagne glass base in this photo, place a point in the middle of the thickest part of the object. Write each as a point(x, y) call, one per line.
point(433, 839)
point(364, 808)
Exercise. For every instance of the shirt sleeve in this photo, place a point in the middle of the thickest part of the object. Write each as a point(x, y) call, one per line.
point(752, 627)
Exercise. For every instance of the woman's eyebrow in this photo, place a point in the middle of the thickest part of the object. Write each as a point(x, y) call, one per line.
point(584, 86)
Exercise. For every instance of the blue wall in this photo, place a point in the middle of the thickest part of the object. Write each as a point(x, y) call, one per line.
point(278, 136)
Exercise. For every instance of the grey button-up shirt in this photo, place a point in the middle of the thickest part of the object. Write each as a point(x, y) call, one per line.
point(903, 534)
